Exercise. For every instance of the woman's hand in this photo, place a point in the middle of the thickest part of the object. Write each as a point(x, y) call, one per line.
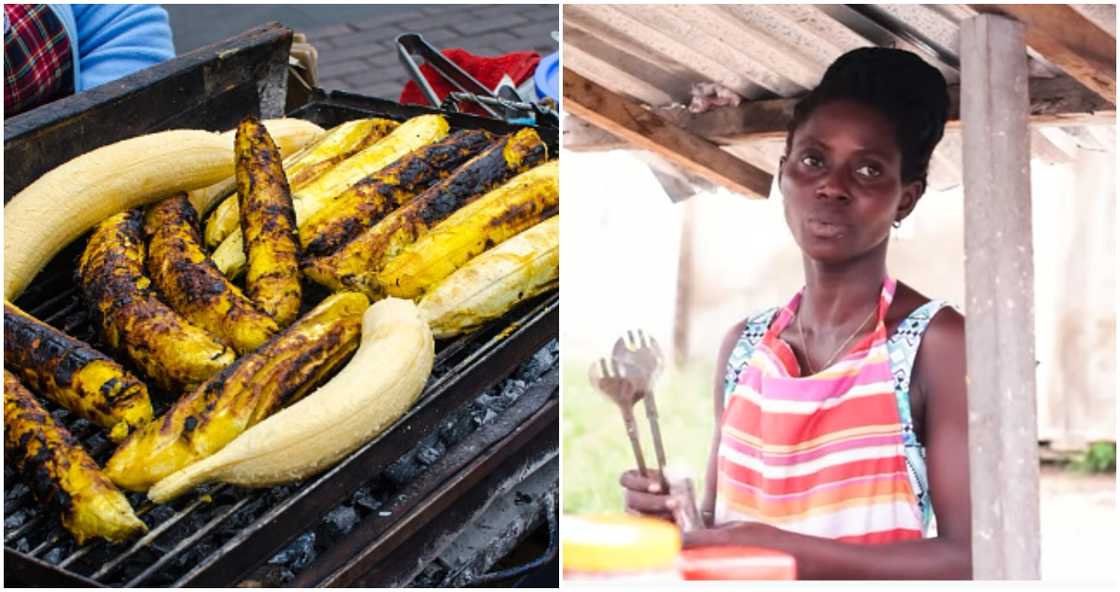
point(751, 534)
point(643, 495)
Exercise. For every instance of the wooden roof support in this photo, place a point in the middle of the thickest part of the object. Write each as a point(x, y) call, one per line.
point(646, 130)
point(999, 292)
point(1068, 40)
point(1057, 101)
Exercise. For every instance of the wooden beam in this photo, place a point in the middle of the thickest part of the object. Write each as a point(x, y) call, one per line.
point(580, 136)
point(1068, 40)
point(1053, 101)
point(647, 130)
point(999, 293)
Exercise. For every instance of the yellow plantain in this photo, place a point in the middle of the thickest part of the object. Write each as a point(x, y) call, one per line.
point(71, 373)
point(489, 285)
point(60, 473)
point(191, 284)
point(132, 318)
point(268, 224)
point(301, 167)
point(372, 198)
point(355, 265)
point(203, 421)
point(522, 202)
point(412, 134)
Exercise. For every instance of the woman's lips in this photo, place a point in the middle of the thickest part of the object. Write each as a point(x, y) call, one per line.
point(823, 229)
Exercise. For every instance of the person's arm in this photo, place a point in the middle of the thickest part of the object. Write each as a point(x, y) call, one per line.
point(115, 40)
point(940, 373)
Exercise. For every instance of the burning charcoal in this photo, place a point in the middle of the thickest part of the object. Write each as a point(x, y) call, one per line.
point(366, 500)
point(80, 425)
point(96, 444)
point(514, 388)
point(55, 555)
point(456, 429)
point(277, 494)
point(403, 471)
point(9, 474)
point(15, 520)
point(157, 515)
point(338, 522)
point(60, 415)
point(297, 555)
point(496, 403)
point(17, 491)
point(430, 454)
point(431, 577)
point(23, 545)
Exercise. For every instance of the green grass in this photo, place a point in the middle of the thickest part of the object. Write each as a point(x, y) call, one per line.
point(596, 449)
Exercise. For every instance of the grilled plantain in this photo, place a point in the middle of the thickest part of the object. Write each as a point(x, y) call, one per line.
point(410, 135)
point(372, 198)
point(522, 202)
point(268, 224)
point(355, 265)
point(132, 318)
point(206, 419)
point(489, 285)
point(306, 165)
point(71, 373)
point(60, 473)
point(192, 285)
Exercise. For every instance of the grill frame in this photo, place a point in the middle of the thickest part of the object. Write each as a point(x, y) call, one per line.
point(477, 362)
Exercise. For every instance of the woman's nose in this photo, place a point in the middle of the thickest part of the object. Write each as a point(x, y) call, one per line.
point(832, 186)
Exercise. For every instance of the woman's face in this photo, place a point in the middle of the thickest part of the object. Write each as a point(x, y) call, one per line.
point(841, 182)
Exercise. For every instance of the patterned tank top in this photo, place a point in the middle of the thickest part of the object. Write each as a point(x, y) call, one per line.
point(832, 454)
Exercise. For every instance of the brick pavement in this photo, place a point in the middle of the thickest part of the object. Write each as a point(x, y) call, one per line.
point(360, 56)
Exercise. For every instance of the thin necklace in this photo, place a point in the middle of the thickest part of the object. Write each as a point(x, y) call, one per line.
point(805, 344)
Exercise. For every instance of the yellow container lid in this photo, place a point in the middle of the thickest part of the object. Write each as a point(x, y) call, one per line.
point(618, 544)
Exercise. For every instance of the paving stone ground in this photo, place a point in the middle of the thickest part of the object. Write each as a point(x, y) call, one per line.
point(356, 43)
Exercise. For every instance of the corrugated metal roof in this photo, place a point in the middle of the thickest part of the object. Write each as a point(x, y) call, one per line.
point(655, 53)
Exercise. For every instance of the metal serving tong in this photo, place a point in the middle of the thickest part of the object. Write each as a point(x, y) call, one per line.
point(508, 108)
point(640, 351)
point(617, 381)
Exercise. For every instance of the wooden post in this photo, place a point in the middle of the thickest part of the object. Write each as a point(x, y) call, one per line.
point(682, 317)
point(1003, 419)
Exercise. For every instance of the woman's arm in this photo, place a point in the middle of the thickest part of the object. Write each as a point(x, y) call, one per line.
point(708, 505)
point(940, 373)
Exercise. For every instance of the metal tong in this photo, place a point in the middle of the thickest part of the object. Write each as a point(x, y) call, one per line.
point(641, 352)
point(507, 108)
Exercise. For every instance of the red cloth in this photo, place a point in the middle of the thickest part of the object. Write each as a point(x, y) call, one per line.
point(519, 66)
point(37, 61)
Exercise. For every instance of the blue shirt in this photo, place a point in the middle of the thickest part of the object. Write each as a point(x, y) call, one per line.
point(109, 41)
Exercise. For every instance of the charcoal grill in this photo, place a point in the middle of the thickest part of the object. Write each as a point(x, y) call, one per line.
point(223, 535)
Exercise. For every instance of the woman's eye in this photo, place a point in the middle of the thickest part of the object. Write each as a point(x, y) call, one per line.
point(811, 161)
point(868, 170)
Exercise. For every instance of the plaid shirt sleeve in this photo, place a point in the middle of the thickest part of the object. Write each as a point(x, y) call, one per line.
point(37, 58)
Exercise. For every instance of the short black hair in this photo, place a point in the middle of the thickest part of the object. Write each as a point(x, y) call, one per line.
point(909, 92)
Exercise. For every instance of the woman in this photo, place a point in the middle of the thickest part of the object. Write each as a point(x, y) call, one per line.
point(841, 419)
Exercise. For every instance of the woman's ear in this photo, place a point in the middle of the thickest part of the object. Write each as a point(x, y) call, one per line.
point(911, 193)
point(781, 165)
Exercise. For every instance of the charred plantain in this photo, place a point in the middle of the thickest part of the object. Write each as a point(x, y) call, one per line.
point(191, 283)
point(268, 224)
point(59, 471)
point(71, 373)
point(355, 266)
point(132, 318)
point(522, 202)
point(206, 419)
point(303, 167)
point(370, 199)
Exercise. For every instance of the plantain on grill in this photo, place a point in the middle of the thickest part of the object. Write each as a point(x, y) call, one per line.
point(268, 224)
point(355, 266)
point(306, 165)
point(521, 203)
point(206, 419)
point(408, 136)
point(73, 374)
point(190, 282)
point(59, 471)
point(132, 318)
point(370, 199)
point(491, 284)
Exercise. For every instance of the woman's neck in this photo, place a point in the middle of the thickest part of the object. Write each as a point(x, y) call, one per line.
point(841, 295)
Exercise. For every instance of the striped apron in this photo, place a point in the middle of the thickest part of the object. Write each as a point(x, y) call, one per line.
point(820, 455)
